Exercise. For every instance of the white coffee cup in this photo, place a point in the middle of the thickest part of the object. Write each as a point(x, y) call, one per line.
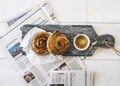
point(81, 42)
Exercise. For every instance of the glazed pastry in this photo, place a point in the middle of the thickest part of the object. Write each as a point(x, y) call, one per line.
point(39, 42)
point(57, 43)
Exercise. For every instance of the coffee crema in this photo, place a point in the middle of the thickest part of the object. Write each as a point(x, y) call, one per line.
point(81, 41)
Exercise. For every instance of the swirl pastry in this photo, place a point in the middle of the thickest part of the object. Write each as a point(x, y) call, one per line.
point(39, 42)
point(57, 43)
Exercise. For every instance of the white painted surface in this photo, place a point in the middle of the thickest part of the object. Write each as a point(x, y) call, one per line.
point(69, 10)
point(8, 77)
point(104, 11)
point(107, 72)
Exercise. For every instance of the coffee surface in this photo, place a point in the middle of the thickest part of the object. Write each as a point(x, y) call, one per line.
point(81, 42)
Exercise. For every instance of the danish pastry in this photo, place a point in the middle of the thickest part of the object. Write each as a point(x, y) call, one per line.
point(57, 43)
point(39, 42)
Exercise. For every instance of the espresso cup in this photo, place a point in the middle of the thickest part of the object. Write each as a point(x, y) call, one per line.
point(81, 42)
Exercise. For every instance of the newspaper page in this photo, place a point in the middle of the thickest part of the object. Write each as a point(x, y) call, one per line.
point(72, 64)
point(9, 22)
point(10, 45)
point(70, 78)
point(37, 15)
point(67, 78)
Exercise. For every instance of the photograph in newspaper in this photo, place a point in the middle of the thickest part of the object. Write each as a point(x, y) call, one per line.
point(29, 77)
point(63, 66)
point(71, 63)
point(15, 49)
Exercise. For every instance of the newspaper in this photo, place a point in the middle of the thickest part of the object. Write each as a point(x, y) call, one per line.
point(71, 63)
point(71, 68)
point(67, 78)
point(33, 75)
point(70, 78)
point(11, 41)
point(41, 14)
point(9, 22)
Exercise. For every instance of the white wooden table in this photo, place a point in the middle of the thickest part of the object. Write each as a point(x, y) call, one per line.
point(104, 15)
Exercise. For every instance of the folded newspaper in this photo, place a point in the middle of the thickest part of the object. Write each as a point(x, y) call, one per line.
point(33, 74)
point(70, 78)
